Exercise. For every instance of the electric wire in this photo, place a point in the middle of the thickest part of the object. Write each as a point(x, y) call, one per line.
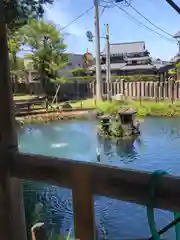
point(138, 12)
point(143, 25)
point(77, 18)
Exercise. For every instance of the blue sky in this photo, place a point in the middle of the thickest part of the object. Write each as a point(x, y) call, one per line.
point(122, 29)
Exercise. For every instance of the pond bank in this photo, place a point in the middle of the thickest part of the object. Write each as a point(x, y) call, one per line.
point(82, 110)
point(52, 116)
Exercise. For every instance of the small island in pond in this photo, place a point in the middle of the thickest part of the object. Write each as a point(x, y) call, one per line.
point(119, 126)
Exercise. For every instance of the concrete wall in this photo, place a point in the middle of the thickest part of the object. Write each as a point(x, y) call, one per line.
point(74, 61)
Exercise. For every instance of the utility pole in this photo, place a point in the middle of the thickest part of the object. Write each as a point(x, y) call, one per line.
point(97, 46)
point(173, 5)
point(108, 66)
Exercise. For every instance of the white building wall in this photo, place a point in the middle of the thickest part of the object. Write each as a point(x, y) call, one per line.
point(74, 61)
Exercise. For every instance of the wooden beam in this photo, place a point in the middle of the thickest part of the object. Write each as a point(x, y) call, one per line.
point(10, 199)
point(83, 204)
point(113, 182)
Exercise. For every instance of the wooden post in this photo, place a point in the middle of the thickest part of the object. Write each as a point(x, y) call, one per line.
point(11, 218)
point(83, 204)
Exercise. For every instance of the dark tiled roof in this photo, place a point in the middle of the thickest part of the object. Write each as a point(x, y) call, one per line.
point(161, 65)
point(128, 47)
point(123, 66)
point(114, 66)
point(177, 35)
point(137, 58)
point(127, 111)
point(138, 67)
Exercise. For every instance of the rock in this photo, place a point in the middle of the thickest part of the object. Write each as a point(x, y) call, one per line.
point(65, 105)
point(118, 97)
point(99, 114)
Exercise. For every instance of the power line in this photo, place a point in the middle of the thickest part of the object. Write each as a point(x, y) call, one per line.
point(149, 21)
point(78, 17)
point(143, 25)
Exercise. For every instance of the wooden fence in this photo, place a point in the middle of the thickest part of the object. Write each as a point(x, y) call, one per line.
point(143, 90)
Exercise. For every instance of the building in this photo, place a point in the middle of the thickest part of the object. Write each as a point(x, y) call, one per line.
point(131, 58)
point(74, 61)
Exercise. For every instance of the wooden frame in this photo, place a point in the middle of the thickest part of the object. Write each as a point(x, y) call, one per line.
point(85, 179)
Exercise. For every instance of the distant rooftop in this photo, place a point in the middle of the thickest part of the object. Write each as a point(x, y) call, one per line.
point(128, 47)
point(175, 58)
point(177, 35)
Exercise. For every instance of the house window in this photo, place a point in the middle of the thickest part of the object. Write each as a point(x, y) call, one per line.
point(134, 62)
point(139, 62)
point(130, 62)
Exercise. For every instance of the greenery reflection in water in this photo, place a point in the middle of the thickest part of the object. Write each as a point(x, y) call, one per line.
point(124, 148)
point(44, 204)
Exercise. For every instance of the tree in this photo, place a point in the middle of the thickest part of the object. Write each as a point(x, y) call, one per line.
point(47, 48)
point(14, 45)
point(18, 12)
point(16, 64)
point(81, 72)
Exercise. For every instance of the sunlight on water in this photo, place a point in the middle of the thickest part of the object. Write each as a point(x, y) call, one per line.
point(59, 145)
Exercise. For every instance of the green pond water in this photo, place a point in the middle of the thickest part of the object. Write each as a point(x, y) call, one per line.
point(158, 147)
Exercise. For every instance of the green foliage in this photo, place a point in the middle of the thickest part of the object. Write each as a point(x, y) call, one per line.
point(145, 108)
point(136, 78)
point(47, 47)
point(117, 130)
point(110, 107)
point(17, 68)
point(174, 70)
point(82, 72)
point(17, 12)
point(90, 78)
point(16, 64)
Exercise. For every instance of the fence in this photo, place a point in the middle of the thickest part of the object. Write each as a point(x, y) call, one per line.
point(144, 90)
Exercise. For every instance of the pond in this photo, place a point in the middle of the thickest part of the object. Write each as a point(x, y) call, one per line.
point(158, 147)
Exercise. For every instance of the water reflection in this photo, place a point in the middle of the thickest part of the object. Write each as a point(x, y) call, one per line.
point(124, 148)
point(156, 148)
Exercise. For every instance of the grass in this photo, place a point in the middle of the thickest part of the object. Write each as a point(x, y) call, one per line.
point(23, 97)
point(145, 108)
